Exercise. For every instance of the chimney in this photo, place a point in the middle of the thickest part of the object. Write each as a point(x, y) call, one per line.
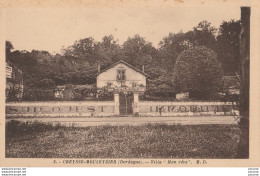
point(98, 67)
point(143, 68)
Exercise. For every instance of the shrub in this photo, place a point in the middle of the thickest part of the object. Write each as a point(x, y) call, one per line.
point(46, 83)
point(158, 94)
point(34, 94)
point(198, 72)
point(14, 93)
point(105, 95)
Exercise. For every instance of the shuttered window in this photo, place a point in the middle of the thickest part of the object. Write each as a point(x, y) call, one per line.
point(121, 75)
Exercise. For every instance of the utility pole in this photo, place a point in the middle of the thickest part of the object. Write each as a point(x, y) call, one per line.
point(243, 146)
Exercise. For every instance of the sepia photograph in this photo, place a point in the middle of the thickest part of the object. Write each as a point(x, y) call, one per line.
point(116, 85)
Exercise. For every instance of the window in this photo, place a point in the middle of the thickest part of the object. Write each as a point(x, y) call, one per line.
point(134, 84)
point(109, 84)
point(121, 75)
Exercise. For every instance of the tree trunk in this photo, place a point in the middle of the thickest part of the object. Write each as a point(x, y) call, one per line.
point(243, 146)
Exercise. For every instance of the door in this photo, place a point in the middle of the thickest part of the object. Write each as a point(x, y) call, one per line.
point(126, 103)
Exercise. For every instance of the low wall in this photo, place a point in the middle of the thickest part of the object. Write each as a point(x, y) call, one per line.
point(109, 108)
point(61, 109)
point(152, 108)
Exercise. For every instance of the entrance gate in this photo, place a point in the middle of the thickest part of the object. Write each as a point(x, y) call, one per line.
point(126, 103)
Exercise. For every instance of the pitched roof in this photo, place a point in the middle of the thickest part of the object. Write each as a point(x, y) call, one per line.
point(127, 64)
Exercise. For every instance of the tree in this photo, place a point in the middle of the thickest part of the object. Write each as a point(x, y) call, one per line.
point(198, 71)
point(170, 48)
point(83, 49)
point(228, 45)
point(109, 51)
point(42, 56)
point(8, 48)
point(204, 35)
point(23, 60)
point(136, 48)
point(205, 26)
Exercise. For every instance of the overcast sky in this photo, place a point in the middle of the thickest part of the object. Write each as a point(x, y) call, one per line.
point(43, 29)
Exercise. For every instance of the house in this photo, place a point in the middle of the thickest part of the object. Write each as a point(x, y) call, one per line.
point(126, 82)
point(14, 82)
point(122, 76)
point(121, 83)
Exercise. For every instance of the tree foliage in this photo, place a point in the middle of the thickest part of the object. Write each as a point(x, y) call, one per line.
point(228, 45)
point(198, 72)
point(8, 47)
point(77, 63)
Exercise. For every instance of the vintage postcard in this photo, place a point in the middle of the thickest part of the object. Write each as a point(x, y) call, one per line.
point(130, 83)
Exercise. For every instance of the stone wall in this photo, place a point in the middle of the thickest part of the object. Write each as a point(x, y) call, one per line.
point(151, 108)
point(111, 108)
point(77, 109)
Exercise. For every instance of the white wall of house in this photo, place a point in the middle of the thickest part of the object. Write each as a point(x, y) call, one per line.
point(110, 76)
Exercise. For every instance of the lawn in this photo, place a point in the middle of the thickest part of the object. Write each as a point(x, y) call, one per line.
point(39, 140)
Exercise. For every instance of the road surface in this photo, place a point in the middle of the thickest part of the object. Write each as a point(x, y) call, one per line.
point(97, 121)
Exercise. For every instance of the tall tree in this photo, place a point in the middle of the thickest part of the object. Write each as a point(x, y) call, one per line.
point(170, 48)
point(83, 49)
point(228, 45)
point(204, 35)
point(136, 48)
point(109, 51)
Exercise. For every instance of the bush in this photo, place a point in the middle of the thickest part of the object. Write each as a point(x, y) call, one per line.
point(104, 95)
point(158, 94)
point(84, 93)
point(34, 94)
point(46, 83)
point(69, 94)
point(14, 93)
point(198, 72)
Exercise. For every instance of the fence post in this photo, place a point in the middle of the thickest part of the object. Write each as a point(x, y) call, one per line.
point(116, 100)
point(135, 108)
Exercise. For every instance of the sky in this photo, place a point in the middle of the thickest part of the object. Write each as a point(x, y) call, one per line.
point(51, 29)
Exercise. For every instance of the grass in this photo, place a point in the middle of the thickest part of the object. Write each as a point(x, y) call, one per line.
point(39, 140)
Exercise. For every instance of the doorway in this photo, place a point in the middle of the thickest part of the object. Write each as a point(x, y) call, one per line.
point(126, 103)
